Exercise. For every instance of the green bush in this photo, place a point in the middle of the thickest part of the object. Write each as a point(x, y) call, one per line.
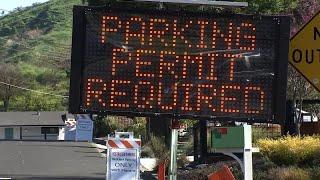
point(290, 150)
point(261, 166)
point(146, 151)
point(315, 172)
point(265, 132)
point(288, 173)
point(156, 148)
point(159, 149)
point(182, 161)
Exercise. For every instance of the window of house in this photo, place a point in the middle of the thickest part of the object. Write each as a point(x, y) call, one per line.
point(49, 130)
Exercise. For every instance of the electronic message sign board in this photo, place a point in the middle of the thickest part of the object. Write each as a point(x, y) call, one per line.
point(178, 63)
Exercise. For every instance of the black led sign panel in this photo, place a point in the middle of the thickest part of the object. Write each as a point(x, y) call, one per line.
point(179, 64)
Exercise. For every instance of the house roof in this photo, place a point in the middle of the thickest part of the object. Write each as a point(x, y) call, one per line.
point(31, 118)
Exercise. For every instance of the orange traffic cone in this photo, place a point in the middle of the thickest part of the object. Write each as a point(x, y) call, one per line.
point(222, 174)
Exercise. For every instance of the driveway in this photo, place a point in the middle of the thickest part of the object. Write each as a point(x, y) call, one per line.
point(50, 160)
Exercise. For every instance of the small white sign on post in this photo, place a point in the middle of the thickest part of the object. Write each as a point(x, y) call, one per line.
point(123, 157)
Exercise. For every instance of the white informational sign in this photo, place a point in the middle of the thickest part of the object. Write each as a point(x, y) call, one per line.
point(84, 128)
point(123, 157)
point(123, 164)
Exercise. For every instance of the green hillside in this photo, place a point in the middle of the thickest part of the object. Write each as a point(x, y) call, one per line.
point(35, 43)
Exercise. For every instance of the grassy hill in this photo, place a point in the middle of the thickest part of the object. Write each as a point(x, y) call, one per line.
point(36, 40)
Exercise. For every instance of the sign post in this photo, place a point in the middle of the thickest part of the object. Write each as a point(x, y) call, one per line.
point(123, 157)
point(173, 149)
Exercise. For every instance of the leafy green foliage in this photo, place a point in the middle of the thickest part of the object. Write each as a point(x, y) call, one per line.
point(37, 40)
point(159, 149)
point(270, 6)
point(136, 125)
point(101, 129)
point(315, 172)
point(9, 74)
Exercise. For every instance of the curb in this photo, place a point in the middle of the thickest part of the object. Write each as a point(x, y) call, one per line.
point(101, 149)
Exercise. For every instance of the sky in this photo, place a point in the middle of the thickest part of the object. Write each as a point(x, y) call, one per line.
point(9, 5)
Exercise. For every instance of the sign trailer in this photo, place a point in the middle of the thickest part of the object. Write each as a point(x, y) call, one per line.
point(178, 64)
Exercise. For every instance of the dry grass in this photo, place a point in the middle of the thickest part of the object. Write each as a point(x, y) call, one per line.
point(288, 173)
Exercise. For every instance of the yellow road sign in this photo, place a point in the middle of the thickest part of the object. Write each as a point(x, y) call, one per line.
point(305, 51)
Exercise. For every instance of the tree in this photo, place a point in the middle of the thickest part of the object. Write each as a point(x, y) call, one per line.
point(305, 10)
point(9, 75)
point(270, 7)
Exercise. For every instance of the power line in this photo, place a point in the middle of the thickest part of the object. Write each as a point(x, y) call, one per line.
point(32, 90)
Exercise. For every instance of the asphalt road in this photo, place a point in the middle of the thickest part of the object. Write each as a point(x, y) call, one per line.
point(50, 160)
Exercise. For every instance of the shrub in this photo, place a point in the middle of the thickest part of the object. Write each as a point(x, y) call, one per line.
point(261, 166)
point(159, 149)
point(263, 132)
point(288, 173)
point(182, 161)
point(291, 150)
point(146, 152)
point(315, 173)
